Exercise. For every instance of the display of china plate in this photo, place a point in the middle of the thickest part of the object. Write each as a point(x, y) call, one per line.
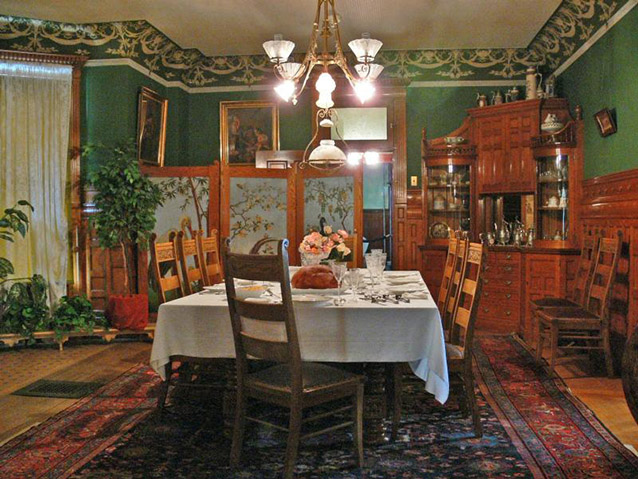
point(439, 230)
point(324, 292)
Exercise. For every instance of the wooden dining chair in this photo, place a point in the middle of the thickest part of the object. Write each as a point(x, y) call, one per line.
point(458, 348)
point(258, 247)
point(190, 262)
point(209, 258)
point(585, 328)
point(584, 276)
point(447, 314)
point(353, 244)
point(268, 331)
point(163, 256)
point(450, 265)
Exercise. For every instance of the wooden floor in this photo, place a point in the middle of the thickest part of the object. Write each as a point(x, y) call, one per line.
point(105, 362)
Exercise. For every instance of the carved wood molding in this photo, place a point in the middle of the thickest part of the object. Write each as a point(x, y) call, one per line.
point(611, 196)
point(20, 56)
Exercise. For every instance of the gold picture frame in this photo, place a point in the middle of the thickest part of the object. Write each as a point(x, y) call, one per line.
point(605, 122)
point(245, 128)
point(152, 111)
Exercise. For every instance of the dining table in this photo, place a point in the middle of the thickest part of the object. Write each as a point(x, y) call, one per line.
point(395, 320)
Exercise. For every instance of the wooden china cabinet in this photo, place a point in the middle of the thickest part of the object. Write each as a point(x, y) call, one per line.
point(516, 173)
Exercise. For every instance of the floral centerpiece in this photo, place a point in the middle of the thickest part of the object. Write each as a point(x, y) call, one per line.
point(325, 244)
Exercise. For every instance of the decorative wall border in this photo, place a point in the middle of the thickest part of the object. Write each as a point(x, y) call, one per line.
point(573, 24)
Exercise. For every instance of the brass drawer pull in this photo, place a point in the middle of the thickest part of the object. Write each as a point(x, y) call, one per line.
point(508, 313)
point(486, 267)
point(486, 310)
point(508, 282)
point(508, 295)
point(485, 280)
point(508, 268)
point(486, 293)
point(508, 256)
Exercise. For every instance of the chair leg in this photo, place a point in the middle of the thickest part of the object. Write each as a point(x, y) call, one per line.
point(397, 403)
point(609, 363)
point(468, 386)
point(293, 440)
point(238, 428)
point(554, 348)
point(168, 372)
point(357, 432)
point(539, 341)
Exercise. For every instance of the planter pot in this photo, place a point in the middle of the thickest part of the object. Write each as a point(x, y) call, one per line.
point(128, 311)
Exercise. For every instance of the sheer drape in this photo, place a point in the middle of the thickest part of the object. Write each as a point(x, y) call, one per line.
point(35, 109)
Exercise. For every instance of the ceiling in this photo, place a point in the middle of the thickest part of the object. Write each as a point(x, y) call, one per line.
point(239, 27)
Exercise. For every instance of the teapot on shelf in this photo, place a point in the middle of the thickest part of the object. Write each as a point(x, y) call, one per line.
point(481, 100)
point(497, 97)
point(503, 233)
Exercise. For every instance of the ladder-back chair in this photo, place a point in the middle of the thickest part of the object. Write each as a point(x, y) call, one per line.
point(353, 244)
point(187, 250)
point(268, 331)
point(165, 255)
point(450, 305)
point(582, 283)
point(586, 328)
point(209, 258)
point(450, 265)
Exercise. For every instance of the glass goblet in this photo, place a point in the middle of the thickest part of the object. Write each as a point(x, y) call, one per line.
point(353, 280)
point(339, 270)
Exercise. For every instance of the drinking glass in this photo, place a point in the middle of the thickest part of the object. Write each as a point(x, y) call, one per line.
point(353, 280)
point(339, 270)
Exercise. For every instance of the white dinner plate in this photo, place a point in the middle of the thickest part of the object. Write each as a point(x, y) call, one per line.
point(323, 292)
point(311, 299)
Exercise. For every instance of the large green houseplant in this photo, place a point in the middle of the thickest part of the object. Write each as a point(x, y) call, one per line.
point(125, 201)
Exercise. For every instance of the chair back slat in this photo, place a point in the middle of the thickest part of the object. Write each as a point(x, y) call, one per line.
point(253, 323)
point(457, 276)
point(256, 347)
point(187, 250)
point(604, 275)
point(164, 255)
point(352, 242)
point(209, 258)
point(450, 264)
point(585, 268)
point(466, 310)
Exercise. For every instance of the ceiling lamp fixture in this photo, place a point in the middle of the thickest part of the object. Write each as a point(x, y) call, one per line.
point(294, 76)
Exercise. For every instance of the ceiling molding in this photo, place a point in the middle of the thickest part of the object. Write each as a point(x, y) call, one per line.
point(571, 26)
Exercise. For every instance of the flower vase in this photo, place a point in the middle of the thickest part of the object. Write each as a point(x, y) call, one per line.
point(311, 259)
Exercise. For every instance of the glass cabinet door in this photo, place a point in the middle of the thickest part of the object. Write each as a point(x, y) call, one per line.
point(448, 199)
point(552, 197)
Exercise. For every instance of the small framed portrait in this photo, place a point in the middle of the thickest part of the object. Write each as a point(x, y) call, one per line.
point(247, 127)
point(151, 127)
point(605, 122)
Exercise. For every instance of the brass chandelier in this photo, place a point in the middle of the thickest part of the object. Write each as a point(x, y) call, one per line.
point(294, 76)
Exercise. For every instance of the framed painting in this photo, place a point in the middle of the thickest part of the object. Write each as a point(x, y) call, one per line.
point(247, 127)
point(605, 122)
point(151, 127)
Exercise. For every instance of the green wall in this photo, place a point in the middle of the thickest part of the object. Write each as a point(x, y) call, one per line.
point(110, 112)
point(606, 76)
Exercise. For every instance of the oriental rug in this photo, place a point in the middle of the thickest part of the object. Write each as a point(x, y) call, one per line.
point(533, 429)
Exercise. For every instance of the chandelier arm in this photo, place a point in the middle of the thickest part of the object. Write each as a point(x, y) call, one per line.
point(304, 158)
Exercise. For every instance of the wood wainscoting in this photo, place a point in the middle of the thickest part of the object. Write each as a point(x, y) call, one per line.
point(610, 204)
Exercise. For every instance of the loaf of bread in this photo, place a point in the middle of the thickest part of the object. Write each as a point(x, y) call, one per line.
point(314, 277)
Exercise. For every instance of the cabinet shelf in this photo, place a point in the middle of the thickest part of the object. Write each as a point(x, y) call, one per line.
point(464, 186)
point(552, 182)
point(450, 210)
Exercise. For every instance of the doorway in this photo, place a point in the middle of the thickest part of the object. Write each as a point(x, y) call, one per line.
point(377, 209)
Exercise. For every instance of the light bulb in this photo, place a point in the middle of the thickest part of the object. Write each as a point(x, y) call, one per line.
point(354, 157)
point(286, 89)
point(364, 90)
point(372, 157)
point(325, 100)
point(325, 83)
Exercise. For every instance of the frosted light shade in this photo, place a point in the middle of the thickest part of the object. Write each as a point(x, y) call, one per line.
point(325, 83)
point(365, 48)
point(278, 50)
point(286, 89)
point(327, 151)
point(325, 101)
point(290, 70)
point(368, 71)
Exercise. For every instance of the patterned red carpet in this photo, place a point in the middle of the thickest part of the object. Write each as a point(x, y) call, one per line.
point(533, 429)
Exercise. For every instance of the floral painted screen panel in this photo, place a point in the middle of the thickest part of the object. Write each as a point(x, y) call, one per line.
point(185, 205)
point(257, 210)
point(331, 198)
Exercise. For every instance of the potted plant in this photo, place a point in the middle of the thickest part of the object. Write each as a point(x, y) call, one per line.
point(125, 203)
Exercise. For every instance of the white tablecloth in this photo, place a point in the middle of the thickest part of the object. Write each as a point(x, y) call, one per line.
point(199, 325)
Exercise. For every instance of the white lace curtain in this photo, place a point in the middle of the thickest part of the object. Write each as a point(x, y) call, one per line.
point(35, 111)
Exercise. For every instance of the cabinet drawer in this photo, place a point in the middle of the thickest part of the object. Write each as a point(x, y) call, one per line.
point(508, 312)
point(499, 296)
point(492, 283)
point(505, 258)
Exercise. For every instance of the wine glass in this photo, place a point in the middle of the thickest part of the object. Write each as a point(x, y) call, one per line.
point(339, 270)
point(353, 280)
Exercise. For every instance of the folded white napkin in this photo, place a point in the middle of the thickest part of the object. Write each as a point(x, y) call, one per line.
point(417, 295)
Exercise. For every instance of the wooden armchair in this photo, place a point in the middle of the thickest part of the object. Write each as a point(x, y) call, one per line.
point(268, 331)
point(165, 254)
point(450, 265)
point(447, 314)
point(586, 328)
point(209, 258)
point(188, 251)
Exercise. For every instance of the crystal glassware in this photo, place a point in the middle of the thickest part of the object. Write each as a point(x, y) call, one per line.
point(339, 270)
point(353, 280)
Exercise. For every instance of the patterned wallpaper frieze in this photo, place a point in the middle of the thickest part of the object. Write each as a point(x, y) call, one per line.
point(573, 23)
